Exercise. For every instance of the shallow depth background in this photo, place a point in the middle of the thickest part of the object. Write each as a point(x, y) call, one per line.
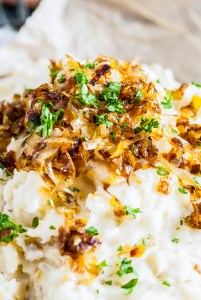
point(163, 31)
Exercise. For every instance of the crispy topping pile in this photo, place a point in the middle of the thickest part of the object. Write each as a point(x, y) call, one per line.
point(106, 112)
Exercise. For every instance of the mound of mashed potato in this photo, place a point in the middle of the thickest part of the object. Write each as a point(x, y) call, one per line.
point(100, 185)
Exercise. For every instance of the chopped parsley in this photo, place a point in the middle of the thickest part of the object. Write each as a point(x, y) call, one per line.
point(175, 240)
point(52, 227)
point(47, 119)
point(182, 190)
point(8, 229)
point(5, 170)
point(108, 282)
point(89, 65)
point(91, 230)
point(74, 189)
point(84, 97)
point(84, 139)
point(196, 180)
point(167, 103)
point(125, 267)
point(103, 264)
point(102, 119)
point(61, 78)
point(129, 286)
point(166, 283)
point(113, 134)
point(35, 222)
point(196, 84)
point(158, 81)
point(161, 171)
point(120, 248)
point(54, 73)
point(138, 96)
point(131, 211)
point(123, 126)
point(174, 131)
point(147, 125)
point(110, 94)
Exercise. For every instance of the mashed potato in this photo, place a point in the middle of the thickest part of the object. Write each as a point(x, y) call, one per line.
point(124, 225)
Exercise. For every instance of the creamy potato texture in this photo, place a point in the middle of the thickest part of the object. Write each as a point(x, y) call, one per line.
point(108, 192)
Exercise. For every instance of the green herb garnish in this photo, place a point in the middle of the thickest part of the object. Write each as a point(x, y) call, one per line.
point(131, 211)
point(147, 125)
point(129, 286)
point(175, 240)
point(102, 119)
point(196, 84)
point(8, 229)
point(110, 94)
point(123, 126)
point(182, 190)
point(167, 103)
point(161, 171)
point(120, 248)
point(125, 267)
point(158, 81)
point(5, 170)
point(84, 97)
point(166, 283)
point(74, 189)
point(52, 227)
point(35, 222)
point(91, 230)
point(54, 73)
point(196, 180)
point(103, 264)
point(61, 78)
point(108, 282)
point(113, 134)
point(138, 96)
point(47, 119)
point(89, 65)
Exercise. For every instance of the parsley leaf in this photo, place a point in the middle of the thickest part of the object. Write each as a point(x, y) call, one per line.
point(108, 282)
point(89, 65)
point(54, 73)
point(110, 94)
point(120, 248)
point(132, 211)
point(129, 286)
point(123, 126)
point(52, 227)
point(102, 119)
point(125, 267)
point(103, 264)
point(158, 81)
point(74, 189)
point(83, 96)
point(35, 222)
point(47, 119)
point(61, 78)
point(196, 84)
point(175, 240)
point(166, 283)
point(138, 96)
point(91, 230)
point(196, 180)
point(182, 190)
point(167, 103)
point(5, 170)
point(8, 229)
point(147, 125)
point(161, 171)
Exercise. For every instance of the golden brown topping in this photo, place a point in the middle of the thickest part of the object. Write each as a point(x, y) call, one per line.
point(194, 220)
point(75, 240)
